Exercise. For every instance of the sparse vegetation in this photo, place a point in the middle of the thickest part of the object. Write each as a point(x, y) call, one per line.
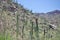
point(18, 23)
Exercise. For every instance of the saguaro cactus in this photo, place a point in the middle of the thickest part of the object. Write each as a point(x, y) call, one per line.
point(37, 29)
point(22, 32)
point(31, 31)
point(17, 26)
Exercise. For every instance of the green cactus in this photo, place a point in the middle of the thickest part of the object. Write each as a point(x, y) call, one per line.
point(31, 31)
point(22, 32)
point(17, 26)
point(37, 29)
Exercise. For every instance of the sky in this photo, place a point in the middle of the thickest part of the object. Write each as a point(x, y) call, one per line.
point(40, 5)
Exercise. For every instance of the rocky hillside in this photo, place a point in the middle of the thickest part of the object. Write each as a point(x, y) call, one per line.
point(22, 24)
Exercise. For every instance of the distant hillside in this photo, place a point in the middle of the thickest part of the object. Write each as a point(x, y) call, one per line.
point(54, 12)
point(52, 17)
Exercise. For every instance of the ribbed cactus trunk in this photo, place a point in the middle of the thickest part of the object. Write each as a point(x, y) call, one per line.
point(37, 29)
point(44, 31)
point(4, 24)
point(23, 26)
point(22, 32)
point(17, 26)
point(31, 31)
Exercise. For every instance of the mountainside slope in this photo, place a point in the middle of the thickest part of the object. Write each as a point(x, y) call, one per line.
point(22, 24)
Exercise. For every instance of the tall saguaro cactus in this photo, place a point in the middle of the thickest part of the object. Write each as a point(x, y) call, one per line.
point(31, 31)
point(37, 29)
point(22, 32)
point(17, 26)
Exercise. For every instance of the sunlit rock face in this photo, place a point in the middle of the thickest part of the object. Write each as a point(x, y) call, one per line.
point(52, 26)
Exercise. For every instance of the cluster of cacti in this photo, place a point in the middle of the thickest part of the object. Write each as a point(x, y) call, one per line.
point(27, 27)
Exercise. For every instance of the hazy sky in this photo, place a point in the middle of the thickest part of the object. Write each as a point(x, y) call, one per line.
point(40, 5)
